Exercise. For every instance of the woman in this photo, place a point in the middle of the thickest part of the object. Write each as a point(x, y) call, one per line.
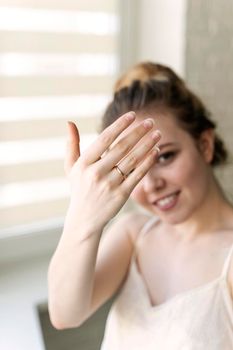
point(174, 269)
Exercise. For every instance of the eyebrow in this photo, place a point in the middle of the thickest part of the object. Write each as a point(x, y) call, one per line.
point(163, 145)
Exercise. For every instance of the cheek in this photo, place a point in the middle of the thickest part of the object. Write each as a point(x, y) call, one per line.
point(138, 193)
point(190, 171)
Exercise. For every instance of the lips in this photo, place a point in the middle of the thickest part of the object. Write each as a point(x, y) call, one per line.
point(167, 202)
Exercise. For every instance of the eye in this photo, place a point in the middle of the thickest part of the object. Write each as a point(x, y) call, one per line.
point(166, 157)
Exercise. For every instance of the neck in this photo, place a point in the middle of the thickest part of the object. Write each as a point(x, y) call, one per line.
point(212, 215)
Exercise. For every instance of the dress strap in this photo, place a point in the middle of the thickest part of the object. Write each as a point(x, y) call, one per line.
point(227, 263)
point(145, 228)
point(148, 225)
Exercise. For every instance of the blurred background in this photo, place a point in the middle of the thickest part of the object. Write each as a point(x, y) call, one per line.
point(58, 62)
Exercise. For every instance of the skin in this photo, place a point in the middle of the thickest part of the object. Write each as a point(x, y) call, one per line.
point(183, 166)
point(187, 230)
point(85, 272)
point(79, 281)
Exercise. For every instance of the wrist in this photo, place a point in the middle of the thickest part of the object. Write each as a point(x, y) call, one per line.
point(79, 219)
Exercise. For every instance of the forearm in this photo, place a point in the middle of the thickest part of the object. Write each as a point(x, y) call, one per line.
point(71, 276)
point(98, 193)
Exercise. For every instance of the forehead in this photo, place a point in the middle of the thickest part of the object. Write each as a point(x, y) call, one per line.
point(166, 123)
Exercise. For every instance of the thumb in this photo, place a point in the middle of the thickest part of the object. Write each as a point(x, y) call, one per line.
point(72, 148)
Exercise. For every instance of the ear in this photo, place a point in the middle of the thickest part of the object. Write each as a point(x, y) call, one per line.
point(206, 144)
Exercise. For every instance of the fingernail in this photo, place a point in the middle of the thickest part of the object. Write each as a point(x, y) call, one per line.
point(156, 135)
point(69, 122)
point(68, 125)
point(148, 123)
point(130, 116)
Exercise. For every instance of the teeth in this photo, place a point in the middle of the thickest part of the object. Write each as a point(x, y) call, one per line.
point(167, 200)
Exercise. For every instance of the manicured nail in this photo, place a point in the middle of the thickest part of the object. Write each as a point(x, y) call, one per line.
point(130, 116)
point(148, 123)
point(156, 135)
point(69, 122)
point(155, 153)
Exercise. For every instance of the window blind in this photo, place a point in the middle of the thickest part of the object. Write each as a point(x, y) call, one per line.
point(58, 61)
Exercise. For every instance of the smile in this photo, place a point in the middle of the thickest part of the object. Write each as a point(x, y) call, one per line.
point(167, 202)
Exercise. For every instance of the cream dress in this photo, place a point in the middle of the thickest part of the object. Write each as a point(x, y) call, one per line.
point(199, 319)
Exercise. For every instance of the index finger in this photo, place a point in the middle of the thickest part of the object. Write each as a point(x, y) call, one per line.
point(106, 138)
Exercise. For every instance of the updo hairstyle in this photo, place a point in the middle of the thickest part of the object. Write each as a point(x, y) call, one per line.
point(153, 87)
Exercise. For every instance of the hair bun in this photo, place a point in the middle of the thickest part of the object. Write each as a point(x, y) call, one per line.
point(142, 89)
point(144, 72)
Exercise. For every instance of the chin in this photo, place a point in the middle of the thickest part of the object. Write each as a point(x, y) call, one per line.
point(172, 217)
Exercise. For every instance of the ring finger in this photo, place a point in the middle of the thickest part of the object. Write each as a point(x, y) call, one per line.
point(130, 162)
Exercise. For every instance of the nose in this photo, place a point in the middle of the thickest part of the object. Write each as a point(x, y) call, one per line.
point(152, 182)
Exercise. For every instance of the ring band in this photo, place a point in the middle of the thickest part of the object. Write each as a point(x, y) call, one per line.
point(120, 172)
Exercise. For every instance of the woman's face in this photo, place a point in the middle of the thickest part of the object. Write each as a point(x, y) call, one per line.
point(178, 182)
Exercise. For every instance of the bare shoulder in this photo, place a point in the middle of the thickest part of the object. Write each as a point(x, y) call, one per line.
point(114, 256)
point(229, 239)
point(134, 221)
point(230, 270)
point(129, 222)
point(124, 231)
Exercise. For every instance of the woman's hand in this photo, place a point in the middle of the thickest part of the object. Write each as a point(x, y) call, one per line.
point(98, 189)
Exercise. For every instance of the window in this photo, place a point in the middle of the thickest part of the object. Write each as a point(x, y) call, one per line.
point(58, 61)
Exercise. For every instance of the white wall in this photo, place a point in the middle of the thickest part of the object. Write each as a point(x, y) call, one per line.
point(161, 32)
